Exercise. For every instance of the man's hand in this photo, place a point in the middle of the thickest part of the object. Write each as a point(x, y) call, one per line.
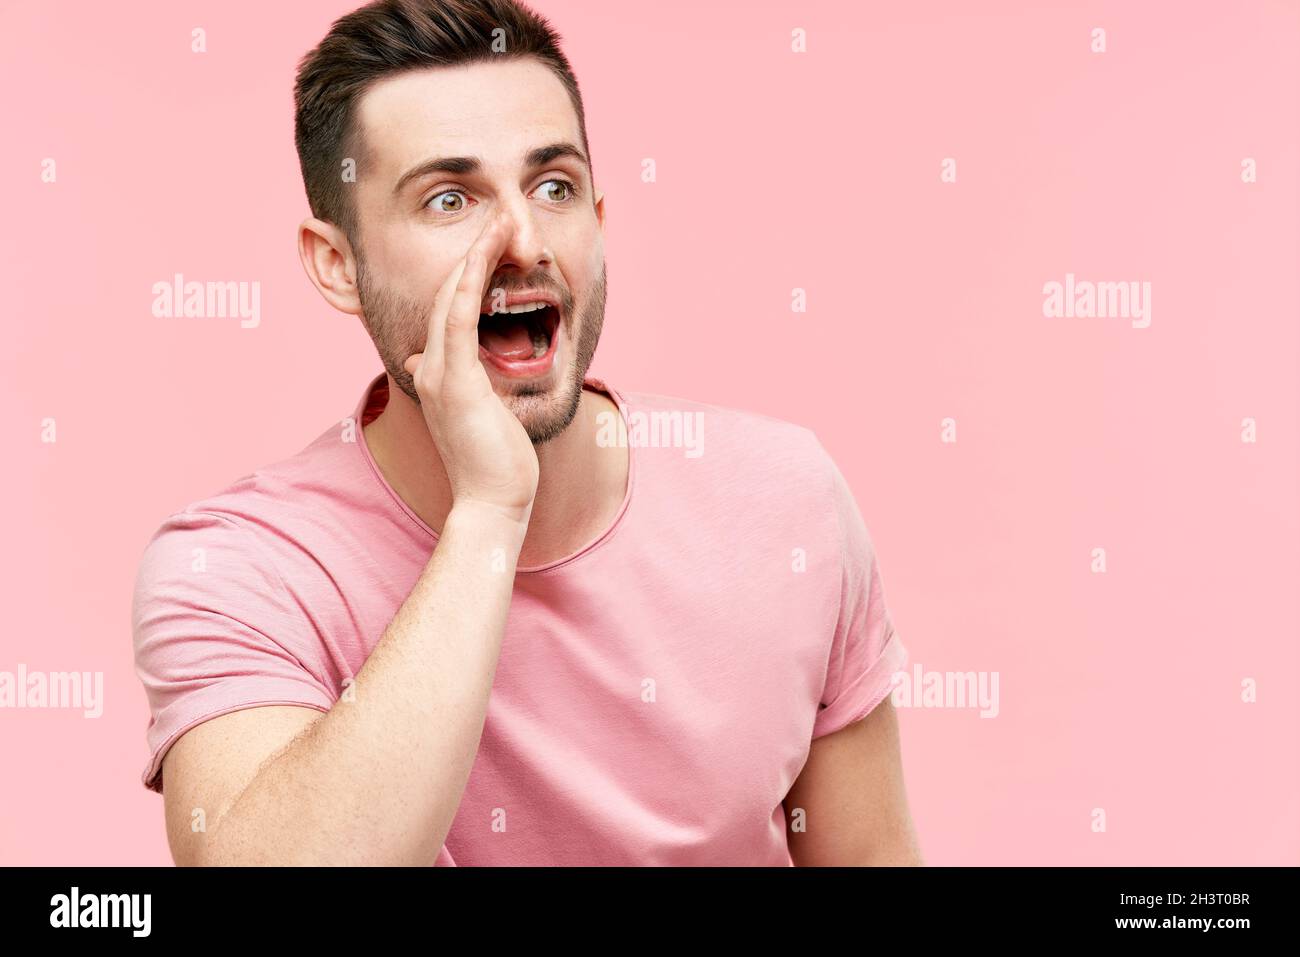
point(487, 455)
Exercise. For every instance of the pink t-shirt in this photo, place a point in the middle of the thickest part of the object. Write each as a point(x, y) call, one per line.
point(657, 690)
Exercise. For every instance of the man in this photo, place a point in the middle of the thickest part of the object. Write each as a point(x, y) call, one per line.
point(486, 621)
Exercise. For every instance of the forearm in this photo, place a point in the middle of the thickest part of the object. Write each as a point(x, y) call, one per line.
point(377, 780)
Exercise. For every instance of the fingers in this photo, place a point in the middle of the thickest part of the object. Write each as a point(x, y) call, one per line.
point(437, 323)
point(461, 342)
point(434, 331)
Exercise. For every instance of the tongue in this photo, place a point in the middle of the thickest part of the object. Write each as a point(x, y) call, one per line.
point(508, 339)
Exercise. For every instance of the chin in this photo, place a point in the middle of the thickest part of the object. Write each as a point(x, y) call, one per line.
point(543, 410)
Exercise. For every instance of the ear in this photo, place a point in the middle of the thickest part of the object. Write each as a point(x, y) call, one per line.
point(327, 259)
point(600, 209)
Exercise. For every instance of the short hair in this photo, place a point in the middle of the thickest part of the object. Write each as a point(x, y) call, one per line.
point(388, 37)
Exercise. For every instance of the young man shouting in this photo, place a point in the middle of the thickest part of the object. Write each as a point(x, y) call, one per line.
point(486, 622)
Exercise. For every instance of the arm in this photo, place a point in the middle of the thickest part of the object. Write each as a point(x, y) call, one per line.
point(378, 778)
point(851, 791)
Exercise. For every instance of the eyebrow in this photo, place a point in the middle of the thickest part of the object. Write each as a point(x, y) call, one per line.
point(466, 165)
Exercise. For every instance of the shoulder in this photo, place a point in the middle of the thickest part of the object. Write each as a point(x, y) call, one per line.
point(725, 432)
point(762, 464)
point(243, 531)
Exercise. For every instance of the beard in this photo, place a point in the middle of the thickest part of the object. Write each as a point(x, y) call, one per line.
point(398, 326)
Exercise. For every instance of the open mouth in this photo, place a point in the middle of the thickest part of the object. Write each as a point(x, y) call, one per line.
point(515, 337)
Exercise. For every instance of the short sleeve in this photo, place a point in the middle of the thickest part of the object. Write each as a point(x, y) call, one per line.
point(865, 649)
point(214, 630)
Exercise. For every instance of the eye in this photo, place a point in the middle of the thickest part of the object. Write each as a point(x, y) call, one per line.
point(438, 204)
point(568, 190)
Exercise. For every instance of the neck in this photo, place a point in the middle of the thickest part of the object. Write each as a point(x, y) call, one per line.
point(580, 485)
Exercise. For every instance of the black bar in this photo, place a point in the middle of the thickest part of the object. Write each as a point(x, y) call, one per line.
point(823, 905)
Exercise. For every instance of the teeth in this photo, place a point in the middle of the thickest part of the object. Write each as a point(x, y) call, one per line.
point(541, 341)
point(522, 307)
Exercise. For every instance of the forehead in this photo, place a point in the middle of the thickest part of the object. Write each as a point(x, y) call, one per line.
point(497, 111)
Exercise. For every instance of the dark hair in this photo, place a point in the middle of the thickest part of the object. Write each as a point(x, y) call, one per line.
point(392, 36)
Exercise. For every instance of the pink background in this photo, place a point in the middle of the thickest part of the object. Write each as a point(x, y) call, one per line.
point(775, 171)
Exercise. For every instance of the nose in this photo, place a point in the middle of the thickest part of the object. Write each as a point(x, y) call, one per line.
point(526, 250)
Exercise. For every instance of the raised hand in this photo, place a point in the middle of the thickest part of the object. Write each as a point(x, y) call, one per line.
point(485, 451)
